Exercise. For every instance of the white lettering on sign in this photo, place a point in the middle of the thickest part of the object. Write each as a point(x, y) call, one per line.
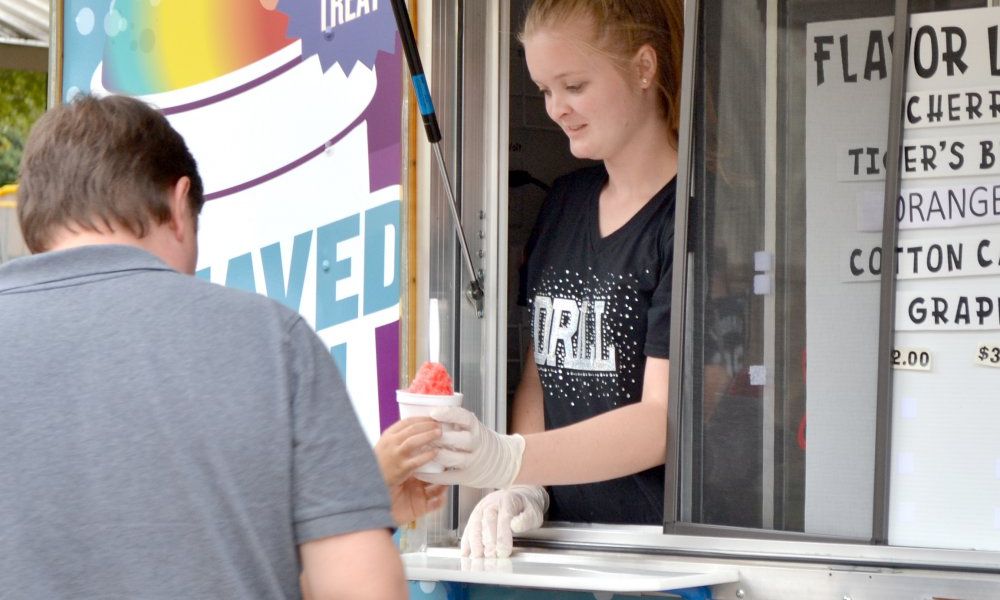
point(338, 12)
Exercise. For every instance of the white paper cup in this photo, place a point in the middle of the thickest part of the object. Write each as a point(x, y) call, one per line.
point(421, 405)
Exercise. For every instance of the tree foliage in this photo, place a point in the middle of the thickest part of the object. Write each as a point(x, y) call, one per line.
point(22, 101)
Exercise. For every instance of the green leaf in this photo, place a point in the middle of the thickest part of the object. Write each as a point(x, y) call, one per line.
point(22, 101)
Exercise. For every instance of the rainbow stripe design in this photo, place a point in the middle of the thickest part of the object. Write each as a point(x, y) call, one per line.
point(157, 46)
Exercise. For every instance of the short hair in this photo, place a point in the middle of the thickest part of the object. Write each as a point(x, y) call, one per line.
point(621, 27)
point(105, 161)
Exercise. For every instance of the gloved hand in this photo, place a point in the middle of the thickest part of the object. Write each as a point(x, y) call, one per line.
point(472, 453)
point(494, 521)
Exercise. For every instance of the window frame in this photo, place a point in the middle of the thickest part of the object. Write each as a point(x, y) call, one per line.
point(458, 72)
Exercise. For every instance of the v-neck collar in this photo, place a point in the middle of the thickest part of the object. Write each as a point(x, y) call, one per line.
point(600, 242)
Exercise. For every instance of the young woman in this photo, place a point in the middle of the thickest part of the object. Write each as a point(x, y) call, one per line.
point(590, 412)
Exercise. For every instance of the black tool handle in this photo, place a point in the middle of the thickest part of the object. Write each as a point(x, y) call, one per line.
point(424, 102)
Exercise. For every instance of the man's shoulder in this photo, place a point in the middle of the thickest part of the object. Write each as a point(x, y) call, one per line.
point(229, 302)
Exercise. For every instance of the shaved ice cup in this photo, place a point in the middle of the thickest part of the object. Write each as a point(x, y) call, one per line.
point(421, 405)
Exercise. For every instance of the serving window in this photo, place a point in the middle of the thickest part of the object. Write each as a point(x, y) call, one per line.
point(816, 407)
point(817, 396)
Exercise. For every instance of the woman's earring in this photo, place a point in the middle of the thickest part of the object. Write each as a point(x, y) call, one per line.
point(645, 81)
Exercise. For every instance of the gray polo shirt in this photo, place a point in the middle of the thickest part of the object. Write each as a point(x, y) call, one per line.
point(164, 437)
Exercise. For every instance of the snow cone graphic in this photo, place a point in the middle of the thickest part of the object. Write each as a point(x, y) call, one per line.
point(292, 111)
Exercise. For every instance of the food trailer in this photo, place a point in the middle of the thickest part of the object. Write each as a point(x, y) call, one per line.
point(833, 409)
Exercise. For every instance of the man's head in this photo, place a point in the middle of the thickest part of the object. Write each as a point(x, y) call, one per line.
point(109, 167)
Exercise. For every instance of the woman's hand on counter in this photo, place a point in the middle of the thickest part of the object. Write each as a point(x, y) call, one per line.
point(494, 521)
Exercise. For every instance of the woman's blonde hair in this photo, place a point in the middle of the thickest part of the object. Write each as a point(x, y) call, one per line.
point(621, 28)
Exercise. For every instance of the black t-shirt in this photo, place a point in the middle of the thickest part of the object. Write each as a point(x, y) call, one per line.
point(599, 307)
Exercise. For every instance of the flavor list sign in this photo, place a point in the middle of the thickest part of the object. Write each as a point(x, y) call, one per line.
point(292, 111)
point(946, 453)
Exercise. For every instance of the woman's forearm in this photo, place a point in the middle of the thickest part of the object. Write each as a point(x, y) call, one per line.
point(614, 444)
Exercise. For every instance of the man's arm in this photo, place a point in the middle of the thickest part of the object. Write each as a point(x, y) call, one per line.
point(339, 500)
point(361, 565)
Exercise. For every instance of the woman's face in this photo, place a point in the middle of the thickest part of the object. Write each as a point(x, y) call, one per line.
point(586, 94)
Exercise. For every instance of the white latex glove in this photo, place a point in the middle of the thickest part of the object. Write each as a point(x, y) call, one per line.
point(472, 453)
point(494, 521)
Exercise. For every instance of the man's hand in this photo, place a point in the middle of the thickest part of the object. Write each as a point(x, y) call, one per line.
point(474, 454)
point(494, 521)
point(404, 447)
point(414, 498)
